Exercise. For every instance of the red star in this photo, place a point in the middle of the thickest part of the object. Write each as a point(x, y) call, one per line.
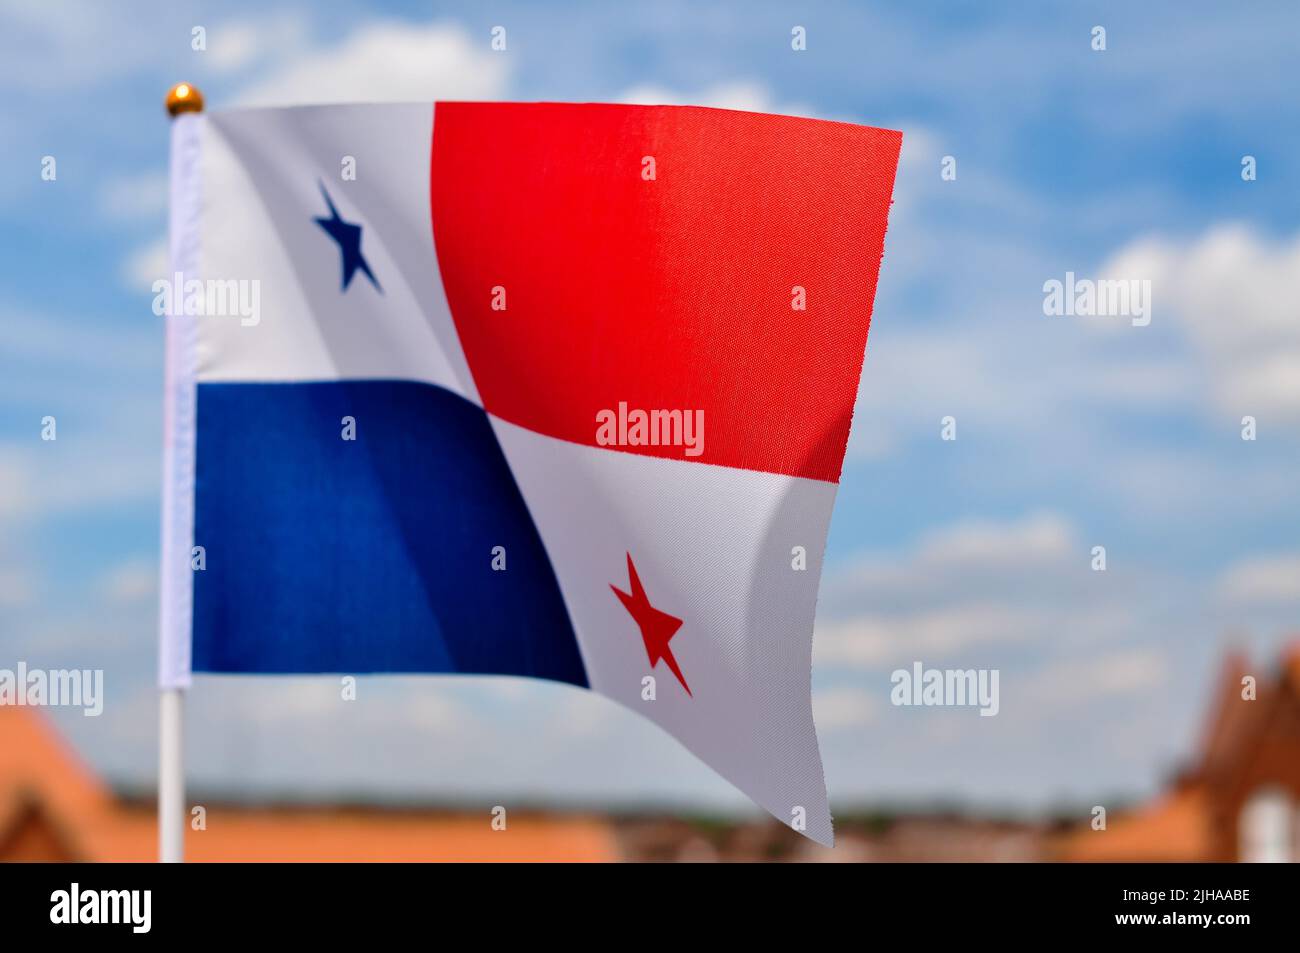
point(656, 627)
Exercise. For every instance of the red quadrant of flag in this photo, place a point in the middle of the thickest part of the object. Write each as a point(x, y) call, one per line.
point(668, 293)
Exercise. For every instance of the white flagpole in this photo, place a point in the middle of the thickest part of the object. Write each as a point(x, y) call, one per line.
point(177, 515)
point(171, 776)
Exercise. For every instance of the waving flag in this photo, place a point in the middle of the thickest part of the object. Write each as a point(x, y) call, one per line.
point(546, 390)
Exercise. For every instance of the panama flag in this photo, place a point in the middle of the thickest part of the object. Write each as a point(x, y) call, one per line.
point(547, 390)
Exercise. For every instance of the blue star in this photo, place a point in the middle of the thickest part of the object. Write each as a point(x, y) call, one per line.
point(348, 237)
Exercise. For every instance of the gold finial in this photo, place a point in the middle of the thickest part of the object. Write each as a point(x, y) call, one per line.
point(184, 98)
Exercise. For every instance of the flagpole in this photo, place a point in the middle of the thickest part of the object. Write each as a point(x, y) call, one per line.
point(171, 776)
point(181, 98)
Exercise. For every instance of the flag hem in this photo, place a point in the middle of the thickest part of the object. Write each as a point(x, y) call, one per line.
point(176, 579)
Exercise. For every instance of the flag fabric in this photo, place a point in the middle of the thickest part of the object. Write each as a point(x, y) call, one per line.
point(546, 390)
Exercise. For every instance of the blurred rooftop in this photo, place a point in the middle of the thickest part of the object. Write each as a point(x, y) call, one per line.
point(1238, 800)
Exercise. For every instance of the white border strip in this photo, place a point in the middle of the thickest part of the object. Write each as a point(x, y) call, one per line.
point(176, 584)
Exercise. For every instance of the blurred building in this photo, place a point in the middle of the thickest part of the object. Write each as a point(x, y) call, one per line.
point(908, 837)
point(1240, 801)
point(53, 808)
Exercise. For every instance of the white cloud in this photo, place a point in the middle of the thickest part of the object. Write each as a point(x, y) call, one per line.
point(301, 703)
point(64, 350)
point(1038, 537)
point(918, 169)
point(743, 94)
point(135, 197)
point(17, 587)
point(233, 46)
point(15, 483)
point(17, 580)
point(879, 640)
point(968, 549)
point(841, 709)
point(387, 61)
point(1264, 579)
point(1085, 660)
point(584, 715)
point(130, 583)
point(70, 475)
point(68, 45)
point(974, 590)
point(1078, 681)
point(145, 265)
point(1231, 291)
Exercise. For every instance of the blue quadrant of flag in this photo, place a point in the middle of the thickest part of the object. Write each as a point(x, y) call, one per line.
point(373, 554)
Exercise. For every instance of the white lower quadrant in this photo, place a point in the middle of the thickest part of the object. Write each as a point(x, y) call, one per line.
point(712, 546)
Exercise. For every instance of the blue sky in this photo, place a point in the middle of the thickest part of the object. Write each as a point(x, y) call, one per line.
point(1072, 432)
